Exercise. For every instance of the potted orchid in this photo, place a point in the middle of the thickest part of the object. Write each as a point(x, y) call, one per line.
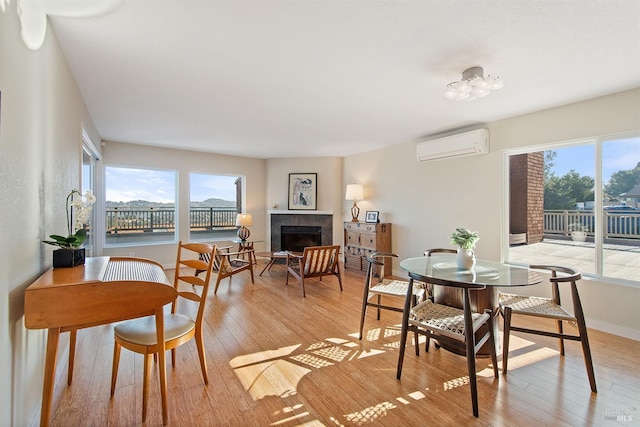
point(69, 252)
point(466, 242)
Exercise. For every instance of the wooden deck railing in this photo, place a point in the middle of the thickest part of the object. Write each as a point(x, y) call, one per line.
point(624, 225)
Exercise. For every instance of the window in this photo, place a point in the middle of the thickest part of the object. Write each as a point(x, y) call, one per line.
point(214, 202)
point(140, 206)
point(578, 205)
point(88, 175)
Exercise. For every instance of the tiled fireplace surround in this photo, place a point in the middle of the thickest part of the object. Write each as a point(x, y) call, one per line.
point(290, 218)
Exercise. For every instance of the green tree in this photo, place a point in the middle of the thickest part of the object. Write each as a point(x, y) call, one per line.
point(565, 191)
point(549, 163)
point(621, 182)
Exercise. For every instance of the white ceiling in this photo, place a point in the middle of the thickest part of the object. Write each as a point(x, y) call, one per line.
point(306, 78)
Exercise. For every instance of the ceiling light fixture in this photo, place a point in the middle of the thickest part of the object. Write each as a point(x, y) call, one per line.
point(33, 15)
point(473, 85)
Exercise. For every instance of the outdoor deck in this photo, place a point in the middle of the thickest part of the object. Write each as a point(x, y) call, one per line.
point(620, 261)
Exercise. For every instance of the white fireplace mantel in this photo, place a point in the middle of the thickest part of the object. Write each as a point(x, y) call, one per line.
point(300, 212)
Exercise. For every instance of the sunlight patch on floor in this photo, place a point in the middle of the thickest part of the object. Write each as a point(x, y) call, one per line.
point(272, 378)
point(370, 414)
point(247, 359)
point(457, 382)
point(531, 357)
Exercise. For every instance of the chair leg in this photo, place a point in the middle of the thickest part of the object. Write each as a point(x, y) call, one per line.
point(304, 293)
point(114, 369)
point(72, 354)
point(378, 308)
point(416, 338)
point(251, 270)
point(173, 357)
point(218, 279)
point(561, 341)
point(506, 313)
point(364, 311)
point(471, 367)
point(586, 351)
point(202, 356)
point(145, 385)
point(492, 344)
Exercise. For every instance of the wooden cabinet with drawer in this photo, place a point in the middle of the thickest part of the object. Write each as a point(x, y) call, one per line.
point(362, 239)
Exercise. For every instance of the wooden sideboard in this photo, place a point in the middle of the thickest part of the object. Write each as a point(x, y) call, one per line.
point(362, 239)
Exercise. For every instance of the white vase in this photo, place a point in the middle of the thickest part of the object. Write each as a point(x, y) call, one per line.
point(465, 259)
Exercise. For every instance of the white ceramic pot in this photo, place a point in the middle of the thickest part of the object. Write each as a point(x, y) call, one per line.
point(465, 259)
point(579, 236)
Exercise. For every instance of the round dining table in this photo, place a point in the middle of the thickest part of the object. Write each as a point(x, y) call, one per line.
point(492, 274)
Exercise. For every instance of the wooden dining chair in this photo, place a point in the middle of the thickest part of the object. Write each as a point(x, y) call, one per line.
point(315, 261)
point(375, 288)
point(549, 308)
point(455, 327)
point(139, 335)
point(441, 251)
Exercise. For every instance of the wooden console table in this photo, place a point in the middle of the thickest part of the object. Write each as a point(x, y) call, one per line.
point(104, 290)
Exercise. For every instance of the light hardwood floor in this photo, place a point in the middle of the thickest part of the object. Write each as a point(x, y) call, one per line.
point(277, 359)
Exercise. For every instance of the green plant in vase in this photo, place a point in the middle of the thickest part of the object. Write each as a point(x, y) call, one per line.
point(466, 242)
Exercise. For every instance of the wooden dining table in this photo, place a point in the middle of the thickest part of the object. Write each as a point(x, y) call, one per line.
point(494, 275)
point(103, 290)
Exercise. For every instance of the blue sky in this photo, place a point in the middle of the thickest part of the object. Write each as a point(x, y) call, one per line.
point(126, 184)
point(622, 154)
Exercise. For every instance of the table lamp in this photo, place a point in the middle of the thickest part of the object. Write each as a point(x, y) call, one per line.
point(242, 220)
point(354, 192)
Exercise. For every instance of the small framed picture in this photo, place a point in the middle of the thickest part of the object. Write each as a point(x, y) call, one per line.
point(372, 216)
point(303, 189)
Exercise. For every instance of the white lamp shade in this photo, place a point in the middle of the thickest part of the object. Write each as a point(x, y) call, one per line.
point(354, 192)
point(243, 220)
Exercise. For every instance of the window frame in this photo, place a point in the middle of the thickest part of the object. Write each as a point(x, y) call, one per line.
point(598, 199)
point(171, 240)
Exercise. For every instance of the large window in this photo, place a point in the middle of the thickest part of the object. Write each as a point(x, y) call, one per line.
point(140, 206)
point(214, 202)
point(578, 205)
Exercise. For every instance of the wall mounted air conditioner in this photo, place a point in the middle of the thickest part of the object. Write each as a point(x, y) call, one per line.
point(463, 144)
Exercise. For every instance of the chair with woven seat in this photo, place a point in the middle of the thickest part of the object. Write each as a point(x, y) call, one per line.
point(139, 335)
point(375, 289)
point(549, 308)
point(455, 327)
point(315, 261)
point(232, 263)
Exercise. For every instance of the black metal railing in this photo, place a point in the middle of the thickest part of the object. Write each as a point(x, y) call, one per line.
point(149, 220)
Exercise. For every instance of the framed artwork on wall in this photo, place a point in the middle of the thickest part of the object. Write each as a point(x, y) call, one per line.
point(372, 216)
point(303, 191)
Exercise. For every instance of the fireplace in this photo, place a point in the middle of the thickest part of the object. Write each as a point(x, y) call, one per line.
point(296, 238)
point(295, 231)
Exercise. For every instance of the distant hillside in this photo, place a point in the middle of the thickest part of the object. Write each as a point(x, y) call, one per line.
point(138, 204)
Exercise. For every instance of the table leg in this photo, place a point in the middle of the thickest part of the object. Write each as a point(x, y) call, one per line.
point(272, 260)
point(53, 337)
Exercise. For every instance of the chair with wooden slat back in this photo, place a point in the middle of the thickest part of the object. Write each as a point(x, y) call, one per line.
point(231, 263)
point(455, 327)
point(549, 308)
point(139, 335)
point(315, 261)
point(385, 286)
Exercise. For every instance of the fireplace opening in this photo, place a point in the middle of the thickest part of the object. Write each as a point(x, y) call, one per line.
point(296, 238)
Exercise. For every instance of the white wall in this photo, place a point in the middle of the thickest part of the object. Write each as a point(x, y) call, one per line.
point(330, 188)
point(186, 162)
point(425, 202)
point(42, 114)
